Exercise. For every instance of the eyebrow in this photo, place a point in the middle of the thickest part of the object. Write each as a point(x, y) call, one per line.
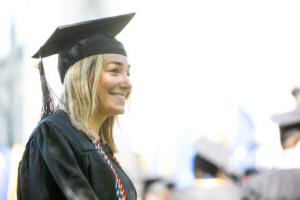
point(118, 63)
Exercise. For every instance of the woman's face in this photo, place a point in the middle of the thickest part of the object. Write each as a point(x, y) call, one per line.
point(114, 84)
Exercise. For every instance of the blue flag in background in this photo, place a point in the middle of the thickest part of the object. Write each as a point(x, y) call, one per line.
point(244, 145)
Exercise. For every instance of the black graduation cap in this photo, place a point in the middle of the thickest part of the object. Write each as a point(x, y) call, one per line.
point(77, 41)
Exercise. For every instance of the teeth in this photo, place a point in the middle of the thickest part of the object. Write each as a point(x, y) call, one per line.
point(120, 95)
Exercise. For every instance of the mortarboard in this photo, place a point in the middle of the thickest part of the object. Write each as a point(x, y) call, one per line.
point(289, 123)
point(287, 119)
point(213, 152)
point(217, 154)
point(74, 42)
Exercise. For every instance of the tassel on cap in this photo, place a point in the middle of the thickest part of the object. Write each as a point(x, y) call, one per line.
point(48, 104)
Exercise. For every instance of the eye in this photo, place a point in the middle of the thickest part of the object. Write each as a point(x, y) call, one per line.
point(115, 70)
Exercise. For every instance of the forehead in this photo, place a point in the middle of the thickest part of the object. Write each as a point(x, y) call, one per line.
point(108, 58)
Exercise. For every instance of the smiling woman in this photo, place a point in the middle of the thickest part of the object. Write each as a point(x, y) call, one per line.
point(70, 154)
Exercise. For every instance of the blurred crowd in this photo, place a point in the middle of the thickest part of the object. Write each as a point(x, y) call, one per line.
point(214, 179)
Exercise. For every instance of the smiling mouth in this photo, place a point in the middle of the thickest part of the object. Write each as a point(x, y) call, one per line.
point(121, 95)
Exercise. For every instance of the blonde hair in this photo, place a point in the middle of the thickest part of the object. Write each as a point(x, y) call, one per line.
point(80, 100)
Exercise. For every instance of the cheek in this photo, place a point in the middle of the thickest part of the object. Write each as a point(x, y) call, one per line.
point(106, 83)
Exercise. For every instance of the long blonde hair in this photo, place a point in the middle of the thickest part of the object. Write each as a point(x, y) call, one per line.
point(80, 100)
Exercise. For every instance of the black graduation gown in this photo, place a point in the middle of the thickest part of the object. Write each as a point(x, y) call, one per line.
point(61, 162)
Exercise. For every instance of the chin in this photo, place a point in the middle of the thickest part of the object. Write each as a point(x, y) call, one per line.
point(118, 111)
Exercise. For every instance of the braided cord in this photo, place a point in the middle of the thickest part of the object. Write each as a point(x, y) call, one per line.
point(121, 194)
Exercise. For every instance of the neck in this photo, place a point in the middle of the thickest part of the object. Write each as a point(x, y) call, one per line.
point(95, 123)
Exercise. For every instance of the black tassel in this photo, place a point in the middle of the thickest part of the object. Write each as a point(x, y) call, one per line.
point(48, 104)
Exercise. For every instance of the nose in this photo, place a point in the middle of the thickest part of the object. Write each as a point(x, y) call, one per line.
point(125, 82)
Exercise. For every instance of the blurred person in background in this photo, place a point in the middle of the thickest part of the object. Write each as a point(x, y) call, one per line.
point(289, 124)
point(212, 181)
point(70, 154)
point(157, 188)
point(282, 181)
point(289, 131)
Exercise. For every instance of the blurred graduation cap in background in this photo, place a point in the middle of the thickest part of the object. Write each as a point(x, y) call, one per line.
point(289, 122)
point(213, 157)
point(77, 41)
